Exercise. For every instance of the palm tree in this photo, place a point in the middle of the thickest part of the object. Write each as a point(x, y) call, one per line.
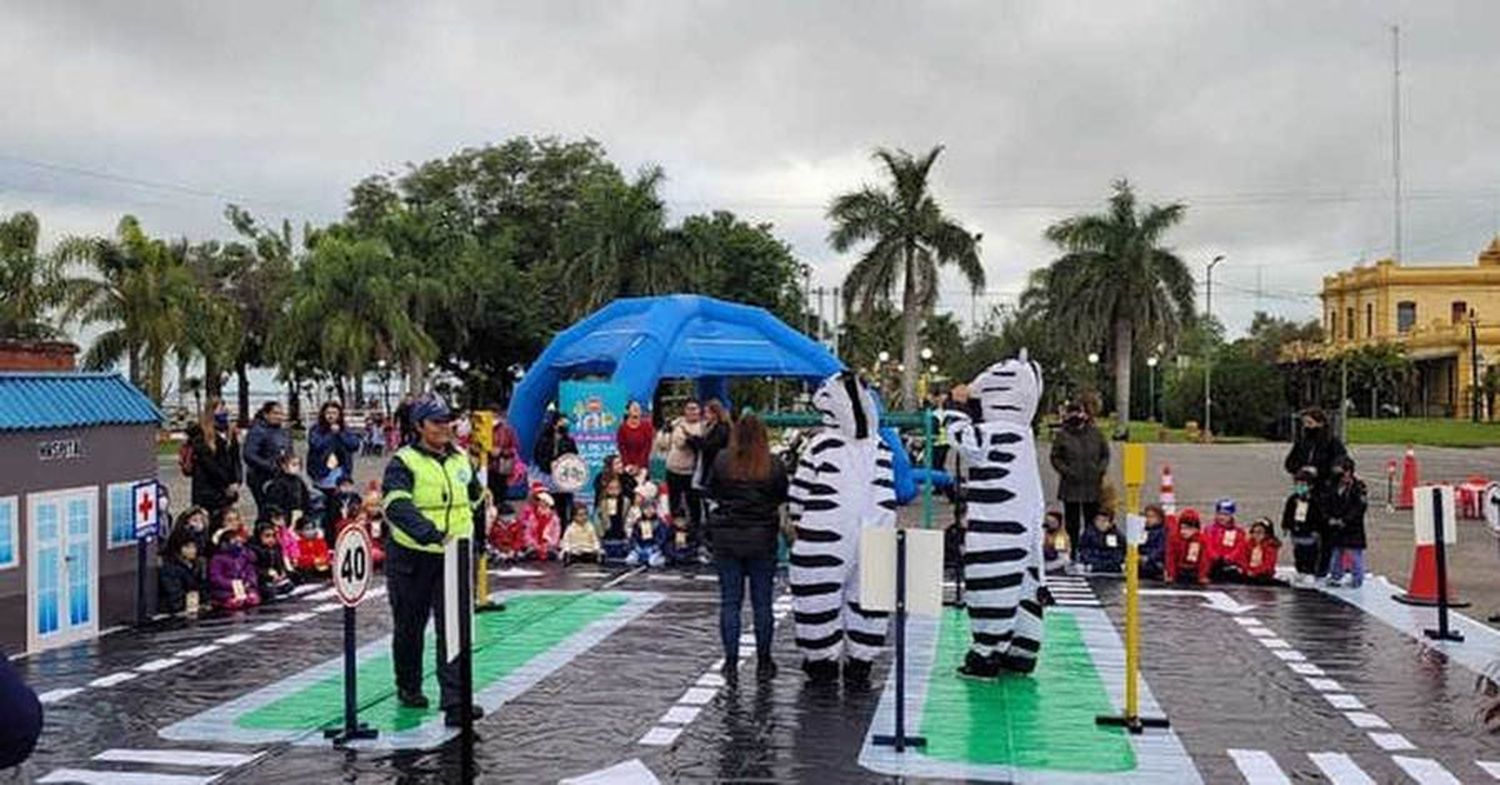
point(910, 239)
point(139, 285)
point(28, 279)
point(1116, 282)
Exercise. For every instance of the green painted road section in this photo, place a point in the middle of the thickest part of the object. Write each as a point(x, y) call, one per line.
point(1044, 722)
point(503, 642)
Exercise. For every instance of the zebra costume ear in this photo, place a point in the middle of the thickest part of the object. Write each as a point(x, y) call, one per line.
point(856, 402)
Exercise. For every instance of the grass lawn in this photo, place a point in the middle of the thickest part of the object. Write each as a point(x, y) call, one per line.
point(1432, 432)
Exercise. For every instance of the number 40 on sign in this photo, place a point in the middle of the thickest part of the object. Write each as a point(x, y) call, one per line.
point(351, 561)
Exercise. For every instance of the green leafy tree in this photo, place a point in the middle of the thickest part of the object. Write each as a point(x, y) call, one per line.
point(256, 277)
point(611, 246)
point(1116, 284)
point(1248, 397)
point(29, 280)
point(908, 238)
point(723, 256)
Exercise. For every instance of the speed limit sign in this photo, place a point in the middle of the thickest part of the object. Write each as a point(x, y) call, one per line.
point(351, 565)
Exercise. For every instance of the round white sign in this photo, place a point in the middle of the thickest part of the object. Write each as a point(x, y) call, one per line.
point(570, 473)
point(352, 565)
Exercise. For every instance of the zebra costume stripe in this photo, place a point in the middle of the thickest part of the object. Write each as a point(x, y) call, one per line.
point(844, 482)
point(1002, 544)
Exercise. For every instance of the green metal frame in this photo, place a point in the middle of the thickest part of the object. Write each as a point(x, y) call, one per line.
point(924, 420)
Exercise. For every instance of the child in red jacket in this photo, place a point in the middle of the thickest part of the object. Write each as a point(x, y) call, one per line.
point(313, 559)
point(1228, 545)
point(507, 538)
point(1187, 553)
point(1260, 559)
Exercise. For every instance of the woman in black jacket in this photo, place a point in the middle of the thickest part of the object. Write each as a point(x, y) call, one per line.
point(216, 462)
point(749, 487)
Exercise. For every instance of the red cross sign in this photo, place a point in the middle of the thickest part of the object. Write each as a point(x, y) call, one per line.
point(147, 508)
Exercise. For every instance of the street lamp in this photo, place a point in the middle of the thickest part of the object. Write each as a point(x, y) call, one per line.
point(884, 356)
point(1208, 362)
point(1151, 363)
point(926, 354)
point(385, 384)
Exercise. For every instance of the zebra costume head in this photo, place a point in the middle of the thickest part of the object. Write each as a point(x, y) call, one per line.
point(1010, 390)
point(847, 405)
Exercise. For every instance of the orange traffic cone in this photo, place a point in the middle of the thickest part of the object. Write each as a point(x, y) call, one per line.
point(1408, 479)
point(1167, 496)
point(1423, 587)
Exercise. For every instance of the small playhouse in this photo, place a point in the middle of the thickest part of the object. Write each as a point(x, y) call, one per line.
point(72, 446)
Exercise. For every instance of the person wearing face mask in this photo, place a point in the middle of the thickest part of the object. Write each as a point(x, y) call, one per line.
point(216, 474)
point(551, 445)
point(1316, 451)
point(1080, 455)
point(268, 441)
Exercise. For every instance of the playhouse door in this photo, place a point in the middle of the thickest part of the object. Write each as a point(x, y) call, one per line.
point(63, 590)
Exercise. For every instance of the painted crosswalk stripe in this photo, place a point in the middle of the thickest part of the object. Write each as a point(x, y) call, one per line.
point(1274, 643)
point(1343, 701)
point(681, 715)
point(1492, 769)
point(322, 595)
point(1392, 742)
point(660, 736)
point(1425, 770)
point(53, 696)
point(230, 640)
point(697, 696)
point(162, 664)
point(1291, 655)
point(1258, 767)
point(270, 626)
point(298, 617)
point(87, 777)
point(1365, 720)
point(197, 651)
point(1306, 669)
point(1325, 685)
point(1260, 632)
point(113, 679)
point(1340, 768)
point(164, 757)
point(710, 679)
point(326, 607)
point(1247, 621)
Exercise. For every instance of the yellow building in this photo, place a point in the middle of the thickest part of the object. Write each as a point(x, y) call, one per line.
point(1426, 309)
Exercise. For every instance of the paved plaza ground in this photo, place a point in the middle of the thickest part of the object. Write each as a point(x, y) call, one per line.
point(614, 674)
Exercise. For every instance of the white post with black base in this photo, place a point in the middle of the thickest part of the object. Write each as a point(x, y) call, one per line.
point(914, 586)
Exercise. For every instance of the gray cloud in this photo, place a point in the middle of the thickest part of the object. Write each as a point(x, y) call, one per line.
point(1271, 119)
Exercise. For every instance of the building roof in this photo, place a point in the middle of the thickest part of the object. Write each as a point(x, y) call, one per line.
point(37, 400)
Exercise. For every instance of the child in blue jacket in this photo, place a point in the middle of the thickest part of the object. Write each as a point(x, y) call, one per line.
point(1154, 551)
point(1101, 547)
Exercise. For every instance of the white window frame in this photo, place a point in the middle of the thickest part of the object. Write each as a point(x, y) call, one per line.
point(15, 532)
point(110, 543)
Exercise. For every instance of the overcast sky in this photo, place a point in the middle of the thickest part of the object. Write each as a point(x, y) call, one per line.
point(1272, 120)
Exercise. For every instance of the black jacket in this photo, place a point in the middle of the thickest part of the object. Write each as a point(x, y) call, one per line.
point(286, 492)
point(709, 445)
point(745, 522)
point(23, 716)
point(214, 471)
point(176, 580)
point(1081, 457)
point(1312, 522)
point(1345, 508)
point(1321, 451)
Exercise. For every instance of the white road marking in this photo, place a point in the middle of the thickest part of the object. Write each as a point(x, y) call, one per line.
point(1258, 767)
point(197, 651)
point(1425, 770)
point(697, 696)
point(299, 617)
point(113, 679)
point(326, 607)
point(169, 757)
point(53, 696)
point(86, 777)
point(159, 665)
point(1306, 669)
point(270, 626)
point(631, 772)
point(1392, 742)
point(1274, 643)
point(1291, 655)
point(1365, 720)
point(230, 640)
point(1492, 769)
point(1344, 701)
point(660, 737)
point(710, 680)
point(322, 595)
point(681, 715)
point(1247, 621)
point(1340, 768)
point(1325, 685)
point(1260, 632)
point(621, 577)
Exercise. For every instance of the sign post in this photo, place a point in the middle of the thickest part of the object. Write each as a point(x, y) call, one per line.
point(1134, 470)
point(456, 640)
point(146, 502)
point(1442, 502)
point(918, 587)
point(351, 578)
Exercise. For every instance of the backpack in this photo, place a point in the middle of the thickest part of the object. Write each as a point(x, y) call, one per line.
point(185, 459)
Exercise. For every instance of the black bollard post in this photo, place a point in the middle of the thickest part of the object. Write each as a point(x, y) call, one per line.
point(142, 558)
point(465, 658)
point(1442, 633)
point(900, 740)
point(353, 729)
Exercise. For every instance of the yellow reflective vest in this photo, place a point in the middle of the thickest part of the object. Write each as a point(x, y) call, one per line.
point(440, 492)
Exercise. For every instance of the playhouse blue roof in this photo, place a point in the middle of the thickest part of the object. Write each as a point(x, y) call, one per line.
point(37, 400)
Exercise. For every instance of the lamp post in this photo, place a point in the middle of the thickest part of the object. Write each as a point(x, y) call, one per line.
point(1208, 361)
point(385, 384)
point(1093, 359)
point(1151, 363)
point(1474, 364)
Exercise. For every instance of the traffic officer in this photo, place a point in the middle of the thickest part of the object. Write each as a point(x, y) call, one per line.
point(431, 492)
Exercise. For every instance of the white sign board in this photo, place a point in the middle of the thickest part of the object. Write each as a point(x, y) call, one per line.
point(1422, 508)
point(352, 565)
point(145, 501)
point(924, 571)
point(570, 473)
point(1135, 530)
point(1489, 503)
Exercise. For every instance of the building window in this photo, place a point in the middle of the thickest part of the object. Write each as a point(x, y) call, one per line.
point(10, 532)
point(121, 517)
point(1369, 320)
point(1349, 322)
point(1406, 316)
point(1459, 311)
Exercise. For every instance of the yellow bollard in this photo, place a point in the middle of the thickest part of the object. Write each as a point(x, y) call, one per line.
point(1133, 471)
point(482, 601)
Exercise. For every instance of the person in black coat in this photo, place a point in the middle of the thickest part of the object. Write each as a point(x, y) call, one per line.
point(748, 487)
point(269, 440)
point(181, 574)
point(1345, 506)
point(22, 712)
point(216, 464)
point(1316, 451)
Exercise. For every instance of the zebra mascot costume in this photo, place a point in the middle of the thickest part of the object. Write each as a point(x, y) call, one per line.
point(843, 484)
point(1002, 555)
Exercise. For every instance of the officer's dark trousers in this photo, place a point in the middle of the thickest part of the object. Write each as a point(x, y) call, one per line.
point(414, 581)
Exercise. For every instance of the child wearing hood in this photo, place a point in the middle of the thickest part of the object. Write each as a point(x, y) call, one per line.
point(1228, 546)
point(1056, 547)
point(232, 582)
point(506, 536)
point(1187, 553)
point(542, 528)
point(1154, 551)
point(1346, 526)
point(580, 542)
point(1260, 558)
point(270, 564)
point(1302, 520)
point(1101, 547)
point(181, 575)
point(648, 533)
point(313, 559)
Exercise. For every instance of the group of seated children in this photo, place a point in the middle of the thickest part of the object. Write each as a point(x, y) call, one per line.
point(634, 529)
point(238, 569)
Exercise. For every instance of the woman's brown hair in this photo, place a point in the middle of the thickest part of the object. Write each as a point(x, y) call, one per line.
point(207, 424)
point(716, 408)
point(749, 450)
